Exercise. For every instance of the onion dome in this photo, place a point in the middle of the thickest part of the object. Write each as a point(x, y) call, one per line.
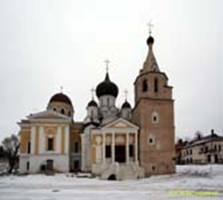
point(60, 97)
point(150, 40)
point(92, 103)
point(126, 104)
point(107, 88)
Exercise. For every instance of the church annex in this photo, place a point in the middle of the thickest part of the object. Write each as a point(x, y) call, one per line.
point(112, 143)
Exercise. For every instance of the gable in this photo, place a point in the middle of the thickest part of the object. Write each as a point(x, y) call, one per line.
point(120, 123)
point(48, 115)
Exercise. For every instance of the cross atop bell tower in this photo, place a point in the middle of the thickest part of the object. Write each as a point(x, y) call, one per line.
point(150, 26)
point(150, 63)
point(107, 65)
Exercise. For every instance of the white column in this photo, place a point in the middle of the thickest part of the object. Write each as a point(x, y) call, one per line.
point(41, 140)
point(67, 140)
point(33, 139)
point(127, 148)
point(113, 147)
point(103, 147)
point(58, 139)
point(83, 154)
point(136, 147)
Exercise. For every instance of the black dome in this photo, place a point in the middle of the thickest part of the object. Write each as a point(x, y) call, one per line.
point(60, 97)
point(107, 88)
point(92, 103)
point(126, 104)
point(150, 40)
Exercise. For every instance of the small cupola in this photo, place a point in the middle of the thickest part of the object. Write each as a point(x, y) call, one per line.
point(92, 103)
point(126, 104)
point(92, 111)
point(126, 110)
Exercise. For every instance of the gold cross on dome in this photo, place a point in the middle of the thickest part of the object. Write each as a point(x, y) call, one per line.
point(150, 26)
point(61, 89)
point(126, 94)
point(107, 65)
point(92, 92)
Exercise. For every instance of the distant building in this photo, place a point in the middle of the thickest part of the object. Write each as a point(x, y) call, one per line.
point(111, 142)
point(201, 150)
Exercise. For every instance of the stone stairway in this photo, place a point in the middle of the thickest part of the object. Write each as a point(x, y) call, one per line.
point(123, 171)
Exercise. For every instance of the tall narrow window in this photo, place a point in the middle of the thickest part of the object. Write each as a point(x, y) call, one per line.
point(29, 148)
point(50, 144)
point(155, 118)
point(62, 111)
point(92, 113)
point(131, 150)
point(156, 85)
point(144, 86)
point(108, 102)
point(27, 166)
point(108, 151)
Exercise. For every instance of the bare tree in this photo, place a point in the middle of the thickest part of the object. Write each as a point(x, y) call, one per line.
point(11, 148)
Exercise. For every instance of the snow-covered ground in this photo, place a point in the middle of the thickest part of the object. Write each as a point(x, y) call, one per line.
point(190, 182)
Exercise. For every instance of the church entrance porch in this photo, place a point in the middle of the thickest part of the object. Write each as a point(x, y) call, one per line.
point(114, 151)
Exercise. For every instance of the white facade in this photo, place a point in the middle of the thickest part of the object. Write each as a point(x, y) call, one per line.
point(44, 125)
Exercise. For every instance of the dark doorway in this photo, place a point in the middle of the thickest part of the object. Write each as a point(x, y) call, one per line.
point(49, 165)
point(120, 154)
point(209, 158)
point(216, 158)
point(112, 178)
point(76, 165)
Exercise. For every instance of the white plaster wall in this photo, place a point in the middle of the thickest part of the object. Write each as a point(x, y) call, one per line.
point(86, 150)
point(22, 163)
point(61, 162)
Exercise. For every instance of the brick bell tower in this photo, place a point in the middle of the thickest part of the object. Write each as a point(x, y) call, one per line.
point(154, 113)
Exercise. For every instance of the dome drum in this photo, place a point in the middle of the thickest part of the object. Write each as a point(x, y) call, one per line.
point(62, 104)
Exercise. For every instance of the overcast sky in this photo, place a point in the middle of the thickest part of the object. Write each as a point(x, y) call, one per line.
point(47, 44)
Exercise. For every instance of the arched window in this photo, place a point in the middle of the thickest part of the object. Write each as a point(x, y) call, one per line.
point(108, 102)
point(155, 118)
point(144, 86)
point(156, 85)
point(54, 109)
point(62, 111)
